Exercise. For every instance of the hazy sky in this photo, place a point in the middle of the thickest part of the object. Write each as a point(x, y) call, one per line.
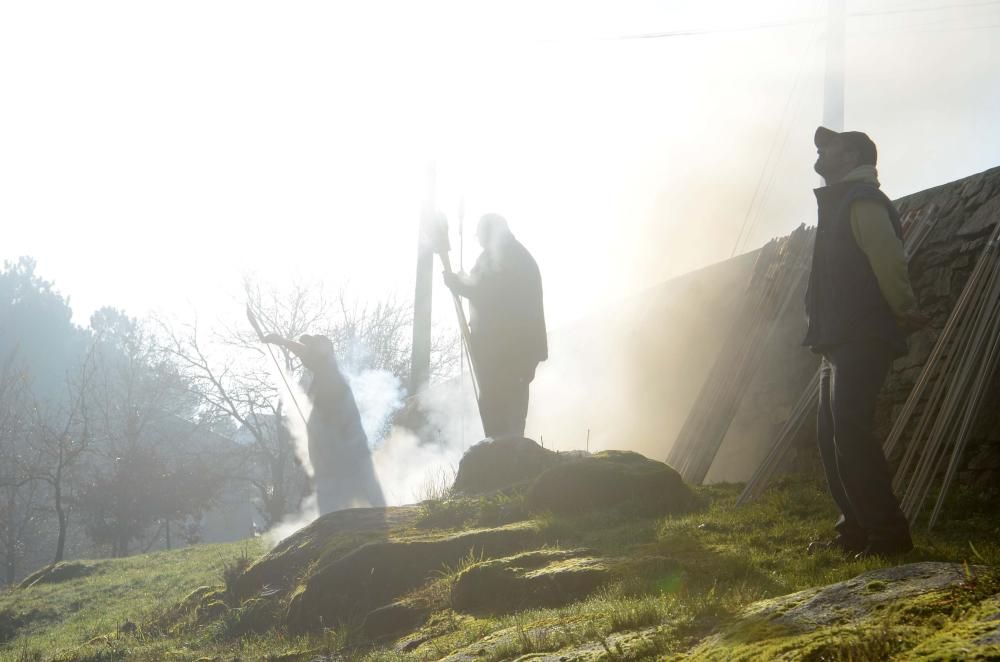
point(153, 153)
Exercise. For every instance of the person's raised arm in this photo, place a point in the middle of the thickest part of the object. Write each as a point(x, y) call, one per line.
point(294, 346)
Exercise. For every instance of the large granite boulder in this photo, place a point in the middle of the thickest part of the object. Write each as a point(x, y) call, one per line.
point(493, 465)
point(609, 479)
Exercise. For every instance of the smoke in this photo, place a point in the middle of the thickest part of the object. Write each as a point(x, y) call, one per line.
point(411, 471)
point(413, 465)
point(292, 522)
point(629, 375)
point(297, 406)
point(409, 467)
point(379, 396)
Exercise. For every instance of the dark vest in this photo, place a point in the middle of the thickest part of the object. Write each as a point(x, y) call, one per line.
point(843, 301)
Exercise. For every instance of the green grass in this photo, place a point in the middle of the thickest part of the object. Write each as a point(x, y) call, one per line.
point(133, 589)
point(726, 558)
point(679, 579)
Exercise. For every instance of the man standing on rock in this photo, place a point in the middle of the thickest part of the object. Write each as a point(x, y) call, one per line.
point(507, 325)
point(860, 306)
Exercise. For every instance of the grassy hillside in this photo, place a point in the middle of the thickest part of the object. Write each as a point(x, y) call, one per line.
point(677, 581)
point(61, 617)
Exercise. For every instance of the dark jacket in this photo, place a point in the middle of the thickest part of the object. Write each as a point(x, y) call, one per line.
point(507, 319)
point(843, 301)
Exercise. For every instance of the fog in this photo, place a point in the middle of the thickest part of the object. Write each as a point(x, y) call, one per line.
point(150, 156)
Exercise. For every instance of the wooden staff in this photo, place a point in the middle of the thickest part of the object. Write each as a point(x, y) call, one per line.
point(260, 335)
point(441, 246)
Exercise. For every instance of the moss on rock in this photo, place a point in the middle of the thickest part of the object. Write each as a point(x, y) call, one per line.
point(378, 573)
point(917, 611)
point(493, 465)
point(59, 572)
point(328, 538)
point(393, 619)
point(620, 479)
point(539, 578)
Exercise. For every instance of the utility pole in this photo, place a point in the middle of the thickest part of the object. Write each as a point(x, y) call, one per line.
point(833, 88)
point(461, 268)
point(420, 359)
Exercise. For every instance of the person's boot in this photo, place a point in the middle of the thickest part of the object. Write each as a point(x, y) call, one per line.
point(885, 544)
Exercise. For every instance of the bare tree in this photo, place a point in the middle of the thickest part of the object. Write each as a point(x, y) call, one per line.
point(366, 334)
point(230, 369)
point(62, 436)
point(244, 390)
point(138, 411)
point(20, 498)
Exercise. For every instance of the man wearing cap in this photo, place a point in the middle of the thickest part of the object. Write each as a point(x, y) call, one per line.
point(507, 325)
point(860, 306)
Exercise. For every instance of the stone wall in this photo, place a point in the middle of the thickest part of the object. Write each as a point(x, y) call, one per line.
point(964, 213)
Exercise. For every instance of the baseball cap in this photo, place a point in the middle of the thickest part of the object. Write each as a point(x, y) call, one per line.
point(853, 140)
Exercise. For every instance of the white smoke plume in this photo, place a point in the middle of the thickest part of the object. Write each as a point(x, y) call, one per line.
point(408, 468)
point(292, 522)
point(297, 406)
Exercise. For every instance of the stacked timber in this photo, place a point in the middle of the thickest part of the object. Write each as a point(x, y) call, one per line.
point(951, 390)
point(779, 272)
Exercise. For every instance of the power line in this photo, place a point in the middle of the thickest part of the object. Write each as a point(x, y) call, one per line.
point(791, 22)
point(691, 33)
point(915, 10)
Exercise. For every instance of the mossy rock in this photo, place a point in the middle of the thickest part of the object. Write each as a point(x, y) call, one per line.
point(611, 479)
point(257, 615)
point(378, 573)
point(540, 578)
point(901, 611)
point(58, 572)
point(328, 538)
point(193, 608)
point(395, 619)
point(493, 465)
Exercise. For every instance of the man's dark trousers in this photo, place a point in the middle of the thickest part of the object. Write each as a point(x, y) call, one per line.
point(503, 400)
point(851, 377)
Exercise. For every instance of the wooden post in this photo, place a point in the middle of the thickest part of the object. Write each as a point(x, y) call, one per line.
point(420, 358)
point(833, 89)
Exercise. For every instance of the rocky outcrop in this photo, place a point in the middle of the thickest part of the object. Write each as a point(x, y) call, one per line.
point(59, 572)
point(866, 617)
point(394, 619)
point(366, 563)
point(493, 465)
point(377, 573)
point(620, 479)
point(539, 578)
point(917, 611)
point(325, 539)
